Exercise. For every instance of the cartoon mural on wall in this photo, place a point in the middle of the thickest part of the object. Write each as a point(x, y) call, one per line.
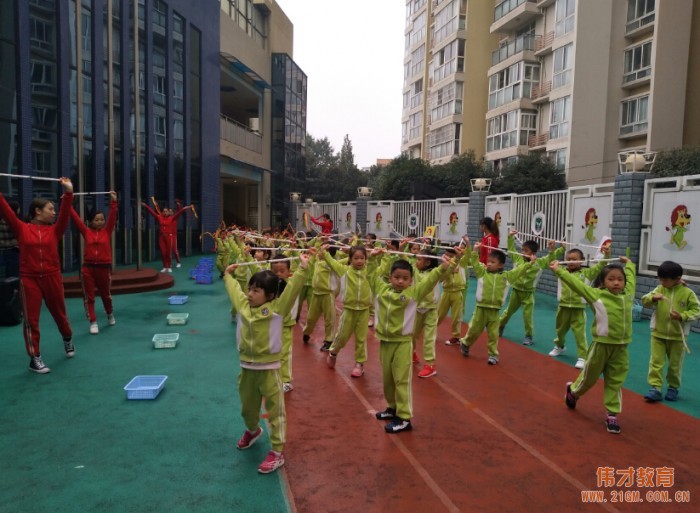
point(379, 219)
point(378, 222)
point(454, 219)
point(348, 219)
point(453, 222)
point(680, 219)
point(497, 218)
point(590, 223)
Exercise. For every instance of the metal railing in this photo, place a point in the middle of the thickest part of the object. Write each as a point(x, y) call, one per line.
point(507, 6)
point(517, 45)
point(239, 134)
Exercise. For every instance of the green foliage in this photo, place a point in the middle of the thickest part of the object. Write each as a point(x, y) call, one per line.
point(677, 162)
point(455, 176)
point(531, 173)
point(331, 177)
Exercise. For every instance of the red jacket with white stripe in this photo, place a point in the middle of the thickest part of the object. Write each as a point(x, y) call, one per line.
point(167, 224)
point(38, 243)
point(98, 248)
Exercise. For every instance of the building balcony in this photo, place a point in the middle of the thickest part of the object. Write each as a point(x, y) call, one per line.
point(640, 26)
point(510, 15)
point(543, 44)
point(541, 4)
point(513, 47)
point(240, 135)
point(538, 142)
point(540, 93)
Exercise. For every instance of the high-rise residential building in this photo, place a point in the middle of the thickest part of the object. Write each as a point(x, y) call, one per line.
point(586, 80)
point(445, 62)
point(579, 80)
point(263, 114)
point(82, 96)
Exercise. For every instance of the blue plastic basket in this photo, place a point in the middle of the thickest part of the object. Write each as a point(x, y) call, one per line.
point(145, 387)
point(637, 311)
point(178, 300)
point(203, 278)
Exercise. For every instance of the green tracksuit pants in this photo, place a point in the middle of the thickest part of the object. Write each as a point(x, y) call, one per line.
point(321, 304)
point(396, 358)
point(426, 323)
point(613, 362)
point(483, 318)
point(527, 300)
point(661, 350)
point(573, 319)
point(352, 322)
point(286, 359)
point(306, 294)
point(253, 386)
point(452, 301)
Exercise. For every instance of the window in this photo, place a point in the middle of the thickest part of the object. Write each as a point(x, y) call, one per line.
point(160, 13)
point(446, 101)
point(558, 158)
point(510, 84)
point(640, 13)
point(637, 62)
point(159, 89)
point(40, 34)
point(417, 93)
point(418, 31)
point(446, 21)
point(159, 130)
point(510, 130)
point(634, 115)
point(444, 141)
point(565, 17)
point(563, 59)
point(415, 123)
point(417, 60)
point(559, 122)
point(42, 74)
point(448, 61)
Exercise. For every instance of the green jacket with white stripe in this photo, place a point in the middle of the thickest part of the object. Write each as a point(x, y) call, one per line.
point(680, 299)
point(492, 288)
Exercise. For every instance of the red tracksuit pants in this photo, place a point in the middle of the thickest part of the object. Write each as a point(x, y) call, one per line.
point(165, 242)
point(100, 279)
point(32, 291)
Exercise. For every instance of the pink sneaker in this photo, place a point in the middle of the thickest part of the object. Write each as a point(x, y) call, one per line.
point(249, 438)
point(331, 359)
point(273, 461)
point(358, 371)
point(428, 371)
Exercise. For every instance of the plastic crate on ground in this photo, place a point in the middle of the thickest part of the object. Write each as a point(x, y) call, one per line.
point(145, 387)
point(165, 340)
point(203, 278)
point(177, 318)
point(178, 300)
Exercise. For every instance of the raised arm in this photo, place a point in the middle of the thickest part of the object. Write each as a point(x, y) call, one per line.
point(79, 224)
point(112, 216)
point(66, 207)
point(10, 216)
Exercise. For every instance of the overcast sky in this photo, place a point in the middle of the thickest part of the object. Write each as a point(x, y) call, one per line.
point(352, 53)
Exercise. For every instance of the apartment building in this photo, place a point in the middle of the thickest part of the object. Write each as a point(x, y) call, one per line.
point(263, 114)
point(445, 62)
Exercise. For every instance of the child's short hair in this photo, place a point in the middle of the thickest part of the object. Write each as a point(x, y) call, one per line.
point(279, 259)
point(269, 282)
point(578, 252)
point(498, 255)
point(669, 269)
point(266, 253)
point(531, 245)
point(332, 251)
point(372, 236)
point(600, 280)
point(451, 251)
point(357, 249)
point(402, 264)
point(432, 262)
point(394, 244)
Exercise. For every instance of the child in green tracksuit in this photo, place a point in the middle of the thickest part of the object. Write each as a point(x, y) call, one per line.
point(324, 287)
point(571, 313)
point(611, 332)
point(491, 291)
point(397, 302)
point(261, 314)
point(454, 290)
point(523, 292)
point(426, 315)
point(676, 307)
point(356, 294)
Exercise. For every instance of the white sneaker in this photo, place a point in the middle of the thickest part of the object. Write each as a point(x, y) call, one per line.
point(164, 270)
point(111, 320)
point(178, 265)
point(169, 269)
point(580, 363)
point(94, 329)
point(557, 351)
point(287, 387)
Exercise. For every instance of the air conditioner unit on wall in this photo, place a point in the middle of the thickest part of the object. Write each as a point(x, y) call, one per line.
point(254, 124)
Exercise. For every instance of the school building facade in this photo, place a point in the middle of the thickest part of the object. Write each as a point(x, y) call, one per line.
point(580, 81)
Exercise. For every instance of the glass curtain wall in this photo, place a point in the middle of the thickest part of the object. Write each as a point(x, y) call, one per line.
point(9, 139)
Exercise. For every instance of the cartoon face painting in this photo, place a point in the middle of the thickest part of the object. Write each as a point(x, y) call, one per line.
point(680, 219)
point(348, 220)
point(497, 218)
point(591, 221)
point(378, 221)
point(454, 219)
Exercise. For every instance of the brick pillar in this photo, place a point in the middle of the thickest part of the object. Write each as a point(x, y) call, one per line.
point(627, 214)
point(477, 208)
point(361, 214)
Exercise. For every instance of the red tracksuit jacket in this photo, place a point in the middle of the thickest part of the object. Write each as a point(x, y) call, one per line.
point(98, 248)
point(487, 240)
point(326, 226)
point(167, 224)
point(38, 243)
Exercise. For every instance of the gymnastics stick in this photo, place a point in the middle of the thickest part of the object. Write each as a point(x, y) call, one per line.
point(589, 260)
point(194, 212)
point(90, 193)
point(255, 262)
point(685, 343)
point(32, 177)
point(436, 257)
point(155, 204)
point(505, 251)
point(562, 242)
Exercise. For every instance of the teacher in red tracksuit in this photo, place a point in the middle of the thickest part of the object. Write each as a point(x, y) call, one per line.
point(97, 261)
point(40, 270)
point(167, 222)
point(324, 222)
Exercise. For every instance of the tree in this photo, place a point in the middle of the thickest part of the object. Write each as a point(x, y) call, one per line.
point(398, 179)
point(331, 177)
point(530, 173)
point(677, 162)
point(346, 157)
point(455, 176)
